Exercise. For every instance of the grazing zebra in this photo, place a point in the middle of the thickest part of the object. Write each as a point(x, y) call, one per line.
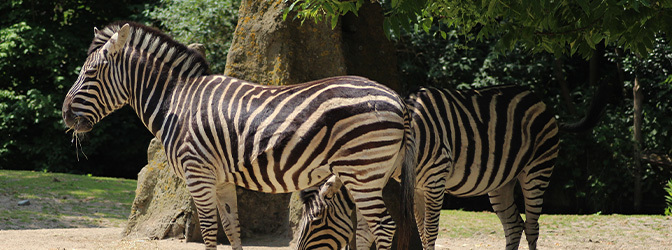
point(219, 131)
point(471, 143)
point(325, 222)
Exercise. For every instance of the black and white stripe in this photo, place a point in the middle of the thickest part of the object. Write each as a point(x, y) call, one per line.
point(478, 142)
point(482, 141)
point(325, 222)
point(219, 131)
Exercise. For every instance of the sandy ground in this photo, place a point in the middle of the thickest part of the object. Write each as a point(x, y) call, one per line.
point(110, 238)
point(105, 238)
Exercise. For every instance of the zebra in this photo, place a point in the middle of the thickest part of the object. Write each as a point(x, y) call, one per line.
point(471, 143)
point(219, 132)
point(325, 221)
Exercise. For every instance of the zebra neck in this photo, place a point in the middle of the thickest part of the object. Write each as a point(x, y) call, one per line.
point(153, 75)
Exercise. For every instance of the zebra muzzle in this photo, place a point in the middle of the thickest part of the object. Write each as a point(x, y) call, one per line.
point(73, 121)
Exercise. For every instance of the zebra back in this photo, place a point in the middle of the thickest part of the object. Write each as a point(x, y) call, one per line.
point(479, 140)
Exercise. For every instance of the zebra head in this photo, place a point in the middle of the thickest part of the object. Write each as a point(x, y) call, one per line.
point(97, 91)
point(325, 222)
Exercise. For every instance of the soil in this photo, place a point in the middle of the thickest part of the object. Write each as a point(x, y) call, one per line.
point(97, 232)
point(111, 238)
point(106, 238)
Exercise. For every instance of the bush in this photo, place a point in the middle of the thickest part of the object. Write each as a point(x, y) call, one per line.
point(42, 46)
point(210, 22)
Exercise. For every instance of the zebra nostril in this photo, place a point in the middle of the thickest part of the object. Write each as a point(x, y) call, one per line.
point(75, 119)
point(69, 118)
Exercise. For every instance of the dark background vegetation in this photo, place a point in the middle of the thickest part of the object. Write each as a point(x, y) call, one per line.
point(43, 44)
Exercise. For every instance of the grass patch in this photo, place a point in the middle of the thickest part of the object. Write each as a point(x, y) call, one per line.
point(461, 224)
point(63, 200)
point(564, 231)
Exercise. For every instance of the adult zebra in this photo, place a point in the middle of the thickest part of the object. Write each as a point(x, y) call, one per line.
point(219, 132)
point(469, 143)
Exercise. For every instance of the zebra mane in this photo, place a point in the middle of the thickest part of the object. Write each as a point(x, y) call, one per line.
point(140, 32)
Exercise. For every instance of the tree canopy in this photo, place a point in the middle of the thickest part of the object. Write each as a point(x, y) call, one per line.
point(557, 27)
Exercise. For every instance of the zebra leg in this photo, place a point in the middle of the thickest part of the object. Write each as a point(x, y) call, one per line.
point(227, 204)
point(503, 203)
point(202, 189)
point(534, 185)
point(427, 212)
point(363, 234)
point(369, 201)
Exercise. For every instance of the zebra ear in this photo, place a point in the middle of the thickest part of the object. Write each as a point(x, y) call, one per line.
point(117, 41)
point(95, 31)
point(331, 187)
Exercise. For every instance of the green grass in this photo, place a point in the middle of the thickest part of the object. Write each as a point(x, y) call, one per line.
point(560, 230)
point(461, 224)
point(63, 200)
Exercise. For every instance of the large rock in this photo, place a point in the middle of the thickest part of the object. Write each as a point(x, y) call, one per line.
point(163, 207)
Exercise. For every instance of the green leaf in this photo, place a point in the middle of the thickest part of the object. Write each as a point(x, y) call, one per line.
point(491, 8)
point(427, 24)
point(584, 6)
point(334, 21)
point(386, 27)
point(327, 7)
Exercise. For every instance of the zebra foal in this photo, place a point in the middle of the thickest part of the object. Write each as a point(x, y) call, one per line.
point(468, 143)
point(219, 131)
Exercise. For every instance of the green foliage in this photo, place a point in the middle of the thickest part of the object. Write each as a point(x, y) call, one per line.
point(319, 10)
point(559, 27)
point(668, 198)
point(211, 23)
point(594, 171)
point(556, 27)
point(42, 46)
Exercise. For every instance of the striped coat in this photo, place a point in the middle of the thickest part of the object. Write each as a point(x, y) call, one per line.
point(219, 131)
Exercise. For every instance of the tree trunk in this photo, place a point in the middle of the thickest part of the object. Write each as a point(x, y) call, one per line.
point(564, 90)
point(269, 50)
point(637, 136)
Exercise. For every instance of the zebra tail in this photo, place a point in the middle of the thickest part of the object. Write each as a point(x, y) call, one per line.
point(596, 110)
point(407, 219)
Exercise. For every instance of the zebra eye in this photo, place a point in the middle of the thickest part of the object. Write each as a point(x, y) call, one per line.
point(317, 217)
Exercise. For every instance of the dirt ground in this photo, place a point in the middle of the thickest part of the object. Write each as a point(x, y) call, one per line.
point(557, 232)
point(110, 238)
point(65, 221)
point(106, 238)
